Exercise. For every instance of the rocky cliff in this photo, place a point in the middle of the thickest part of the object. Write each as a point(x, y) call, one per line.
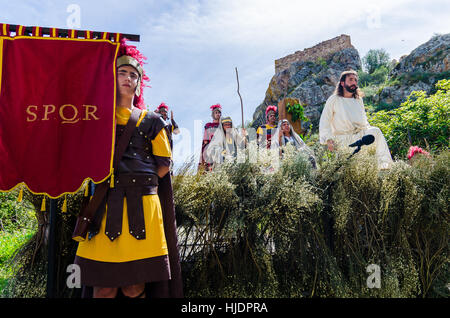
point(309, 76)
point(419, 70)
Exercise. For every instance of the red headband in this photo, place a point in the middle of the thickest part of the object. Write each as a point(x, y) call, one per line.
point(216, 106)
point(163, 105)
point(414, 150)
point(271, 107)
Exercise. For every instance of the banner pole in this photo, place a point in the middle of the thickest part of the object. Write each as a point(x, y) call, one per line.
point(51, 262)
point(65, 32)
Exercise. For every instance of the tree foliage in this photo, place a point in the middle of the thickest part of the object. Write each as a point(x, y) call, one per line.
point(422, 120)
point(374, 59)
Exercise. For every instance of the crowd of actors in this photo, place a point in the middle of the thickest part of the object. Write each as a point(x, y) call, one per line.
point(343, 121)
point(127, 230)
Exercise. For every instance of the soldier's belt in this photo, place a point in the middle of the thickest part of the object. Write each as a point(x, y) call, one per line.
point(149, 183)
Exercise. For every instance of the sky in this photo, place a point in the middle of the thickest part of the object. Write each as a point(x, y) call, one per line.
point(193, 47)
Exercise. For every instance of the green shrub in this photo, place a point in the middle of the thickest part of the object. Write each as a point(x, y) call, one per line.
point(17, 226)
point(255, 229)
point(299, 232)
point(422, 120)
point(15, 215)
point(374, 59)
point(297, 112)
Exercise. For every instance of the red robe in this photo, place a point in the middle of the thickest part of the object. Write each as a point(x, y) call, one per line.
point(210, 128)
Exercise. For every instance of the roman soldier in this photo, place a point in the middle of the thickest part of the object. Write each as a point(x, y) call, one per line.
point(172, 126)
point(265, 132)
point(210, 128)
point(127, 232)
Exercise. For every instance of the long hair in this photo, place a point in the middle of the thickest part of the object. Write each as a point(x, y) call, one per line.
point(340, 89)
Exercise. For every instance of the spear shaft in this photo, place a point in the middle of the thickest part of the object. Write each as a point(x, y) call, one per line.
point(240, 97)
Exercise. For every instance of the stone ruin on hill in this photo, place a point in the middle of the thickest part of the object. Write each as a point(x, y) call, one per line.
point(308, 77)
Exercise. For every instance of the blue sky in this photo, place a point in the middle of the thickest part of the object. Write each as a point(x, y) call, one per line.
point(193, 47)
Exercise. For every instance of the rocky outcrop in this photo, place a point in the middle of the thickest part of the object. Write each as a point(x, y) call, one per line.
point(419, 70)
point(320, 50)
point(309, 76)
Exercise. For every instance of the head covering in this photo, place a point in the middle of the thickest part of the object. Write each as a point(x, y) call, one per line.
point(269, 109)
point(162, 105)
point(216, 106)
point(219, 148)
point(413, 150)
point(130, 55)
point(227, 120)
point(298, 142)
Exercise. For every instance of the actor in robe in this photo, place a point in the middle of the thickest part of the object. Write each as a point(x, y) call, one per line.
point(127, 232)
point(226, 143)
point(264, 132)
point(172, 126)
point(210, 128)
point(344, 120)
point(285, 135)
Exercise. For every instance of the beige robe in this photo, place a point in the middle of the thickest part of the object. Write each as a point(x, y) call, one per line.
point(344, 121)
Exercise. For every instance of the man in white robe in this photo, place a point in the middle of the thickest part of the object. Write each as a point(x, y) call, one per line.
point(344, 121)
point(227, 143)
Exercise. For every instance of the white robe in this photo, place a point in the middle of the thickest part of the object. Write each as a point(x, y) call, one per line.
point(224, 145)
point(344, 121)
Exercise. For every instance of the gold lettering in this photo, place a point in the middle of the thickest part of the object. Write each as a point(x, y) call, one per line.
point(68, 120)
point(92, 113)
point(48, 112)
point(31, 113)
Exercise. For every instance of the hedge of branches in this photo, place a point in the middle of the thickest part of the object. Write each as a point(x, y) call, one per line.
point(246, 230)
point(299, 232)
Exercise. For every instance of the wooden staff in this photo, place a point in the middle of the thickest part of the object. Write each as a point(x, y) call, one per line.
point(242, 106)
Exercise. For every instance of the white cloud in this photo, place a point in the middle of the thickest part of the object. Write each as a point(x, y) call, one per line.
point(260, 23)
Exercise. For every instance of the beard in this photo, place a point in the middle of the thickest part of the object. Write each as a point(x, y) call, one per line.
point(351, 89)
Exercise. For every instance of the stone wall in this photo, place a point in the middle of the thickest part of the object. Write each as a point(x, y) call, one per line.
point(321, 50)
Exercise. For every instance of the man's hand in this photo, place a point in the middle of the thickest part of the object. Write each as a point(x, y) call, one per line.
point(161, 171)
point(330, 145)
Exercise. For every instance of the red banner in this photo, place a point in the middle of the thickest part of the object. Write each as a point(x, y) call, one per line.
point(57, 101)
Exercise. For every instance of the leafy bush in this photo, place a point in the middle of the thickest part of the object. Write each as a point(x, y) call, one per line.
point(298, 232)
point(374, 59)
point(247, 230)
point(297, 112)
point(17, 226)
point(15, 215)
point(377, 77)
point(422, 120)
point(24, 273)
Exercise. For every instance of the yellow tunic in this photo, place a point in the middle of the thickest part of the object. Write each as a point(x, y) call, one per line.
point(126, 248)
